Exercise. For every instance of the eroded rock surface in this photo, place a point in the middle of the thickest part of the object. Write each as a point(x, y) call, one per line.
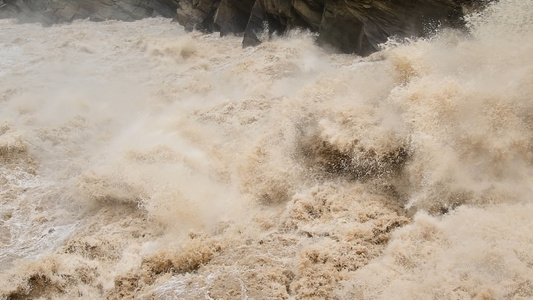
point(351, 26)
point(354, 26)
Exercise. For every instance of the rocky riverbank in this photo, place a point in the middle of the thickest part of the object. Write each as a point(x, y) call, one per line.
point(352, 26)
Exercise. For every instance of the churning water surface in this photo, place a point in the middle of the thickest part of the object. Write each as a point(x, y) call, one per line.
point(141, 161)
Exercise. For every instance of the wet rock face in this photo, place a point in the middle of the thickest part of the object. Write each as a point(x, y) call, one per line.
point(350, 26)
point(198, 14)
point(360, 26)
point(60, 11)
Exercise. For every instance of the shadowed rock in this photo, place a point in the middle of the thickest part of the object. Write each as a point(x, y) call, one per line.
point(350, 26)
point(274, 14)
point(198, 15)
point(360, 26)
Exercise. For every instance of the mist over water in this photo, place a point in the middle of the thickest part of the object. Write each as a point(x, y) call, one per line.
point(137, 160)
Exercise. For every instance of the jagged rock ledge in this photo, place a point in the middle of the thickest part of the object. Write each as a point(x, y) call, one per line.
point(350, 26)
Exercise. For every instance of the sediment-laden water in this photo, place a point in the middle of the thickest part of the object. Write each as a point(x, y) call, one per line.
point(137, 160)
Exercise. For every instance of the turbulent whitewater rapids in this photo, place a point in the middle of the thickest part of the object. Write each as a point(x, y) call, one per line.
point(141, 161)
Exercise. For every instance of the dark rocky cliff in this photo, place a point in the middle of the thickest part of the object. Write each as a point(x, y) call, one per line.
point(59, 11)
point(351, 26)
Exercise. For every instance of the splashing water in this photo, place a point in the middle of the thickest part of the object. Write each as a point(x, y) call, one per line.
point(138, 160)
